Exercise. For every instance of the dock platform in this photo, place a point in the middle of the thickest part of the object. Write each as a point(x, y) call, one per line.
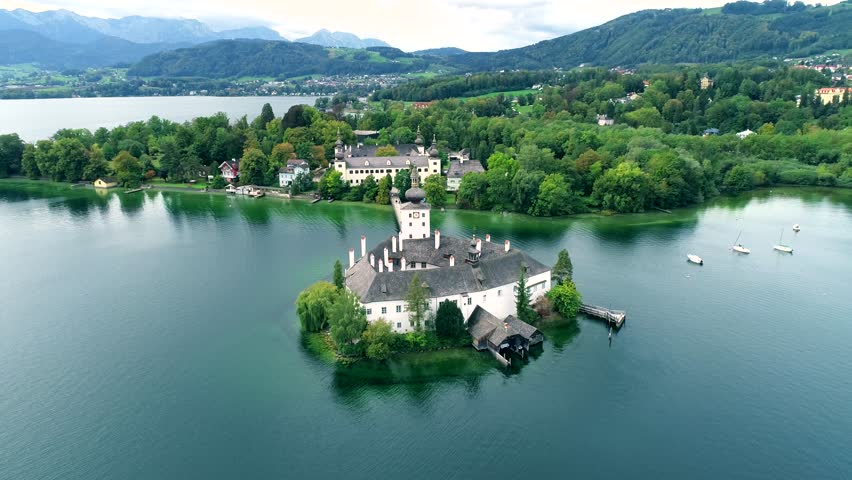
point(613, 317)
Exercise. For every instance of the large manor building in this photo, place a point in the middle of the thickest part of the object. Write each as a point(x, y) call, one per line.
point(357, 162)
point(475, 273)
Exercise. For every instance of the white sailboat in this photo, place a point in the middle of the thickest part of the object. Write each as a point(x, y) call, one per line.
point(738, 247)
point(695, 259)
point(796, 227)
point(781, 247)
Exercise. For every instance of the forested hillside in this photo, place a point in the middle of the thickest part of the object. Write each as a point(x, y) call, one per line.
point(685, 36)
point(239, 58)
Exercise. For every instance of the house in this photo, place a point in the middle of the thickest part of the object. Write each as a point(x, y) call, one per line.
point(230, 170)
point(357, 162)
point(605, 121)
point(501, 337)
point(461, 165)
point(706, 83)
point(421, 105)
point(744, 134)
point(288, 173)
point(106, 182)
point(470, 272)
point(832, 94)
point(710, 131)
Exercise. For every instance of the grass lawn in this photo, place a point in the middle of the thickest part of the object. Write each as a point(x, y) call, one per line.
point(158, 182)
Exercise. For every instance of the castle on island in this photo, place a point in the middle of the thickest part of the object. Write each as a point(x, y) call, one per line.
point(478, 275)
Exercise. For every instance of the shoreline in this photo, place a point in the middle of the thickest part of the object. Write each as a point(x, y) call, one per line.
point(272, 192)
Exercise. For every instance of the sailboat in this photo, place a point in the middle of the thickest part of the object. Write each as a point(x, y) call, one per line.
point(781, 247)
point(738, 247)
point(796, 227)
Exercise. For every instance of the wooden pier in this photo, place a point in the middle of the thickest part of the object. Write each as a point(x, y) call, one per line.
point(613, 317)
point(133, 190)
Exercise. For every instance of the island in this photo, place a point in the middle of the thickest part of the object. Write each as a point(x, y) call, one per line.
point(480, 291)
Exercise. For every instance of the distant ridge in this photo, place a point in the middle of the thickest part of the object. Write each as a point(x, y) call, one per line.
point(326, 38)
point(441, 52)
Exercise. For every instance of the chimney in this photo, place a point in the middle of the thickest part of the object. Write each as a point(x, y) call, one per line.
point(390, 266)
point(508, 244)
point(363, 246)
point(505, 326)
point(372, 260)
point(400, 241)
point(488, 237)
point(351, 257)
point(386, 255)
point(437, 239)
point(381, 266)
point(452, 261)
point(394, 244)
point(479, 245)
point(402, 264)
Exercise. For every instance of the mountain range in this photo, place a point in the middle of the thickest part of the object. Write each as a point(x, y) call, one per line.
point(326, 38)
point(651, 36)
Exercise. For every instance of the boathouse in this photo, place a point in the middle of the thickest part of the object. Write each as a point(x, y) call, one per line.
point(106, 182)
point(501, 337)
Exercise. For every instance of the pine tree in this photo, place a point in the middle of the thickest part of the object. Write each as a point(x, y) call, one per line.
point(522, 299)
point(338, 275)
point(564, 269)
point(417, 300)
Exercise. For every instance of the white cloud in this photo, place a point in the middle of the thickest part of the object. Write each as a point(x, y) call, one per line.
point(477, 25)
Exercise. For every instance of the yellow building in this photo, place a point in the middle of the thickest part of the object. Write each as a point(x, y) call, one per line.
point(356, 163)
point(828, 95)
point(106, 182)
point(706, 83)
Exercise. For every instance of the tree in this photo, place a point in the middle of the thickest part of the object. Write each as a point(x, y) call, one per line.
point(402, 180)
point(266, 114)
point(96, 165)
point(338, 275)
point(435, 187)
point(332, 185)
point(386, 151)
point(29, 166)
point(449, 320)
point(313, 306)
point(564, 269)
point(11, 151)
point(417, 300)
point(383, 192)
point(218, 182)
point(253, 167)
point(70, 154)
point(566, 299)
point(378, 337)
point(739, 179)
point(346, 320)
point(625, 188)
point(370, 188)
point(522, 299)
point(128, 169)
point(555, 198)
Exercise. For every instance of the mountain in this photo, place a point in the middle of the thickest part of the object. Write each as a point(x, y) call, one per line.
point(326, 38)
point(26, 46)
point(68, 27)
point(736, 31)
point(440, 52)
point(262, 58)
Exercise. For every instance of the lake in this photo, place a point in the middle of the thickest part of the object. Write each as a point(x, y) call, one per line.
point(39, 119)
point(153, 335)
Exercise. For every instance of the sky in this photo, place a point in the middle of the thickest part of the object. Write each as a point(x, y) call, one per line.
point(474, 25)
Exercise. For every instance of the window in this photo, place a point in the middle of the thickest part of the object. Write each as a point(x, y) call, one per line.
point(483, 299)
point(424, 224)
point(399, 309)
point(384, 310)
point(398, 324)
point(422, 264)
point(411, 322)
point(369, 311)
point(470, 300)
point(499, 293)
point(410, 236)
point(455, 301)
point(409, 224)
point(409, 215)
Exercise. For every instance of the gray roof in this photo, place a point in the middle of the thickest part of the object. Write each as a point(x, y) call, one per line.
point(459, 169)
point(395, 162)
point(482, 324)
point(404, 149)
point(496, 267)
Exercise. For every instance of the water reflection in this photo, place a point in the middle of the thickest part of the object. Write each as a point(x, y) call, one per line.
point(131, 203)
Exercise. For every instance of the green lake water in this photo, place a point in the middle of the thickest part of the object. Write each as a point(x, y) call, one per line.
point(153, 335)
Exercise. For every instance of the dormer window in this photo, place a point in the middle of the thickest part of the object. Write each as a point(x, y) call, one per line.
point(366, 163)
point(408, 162)
point(388, 162)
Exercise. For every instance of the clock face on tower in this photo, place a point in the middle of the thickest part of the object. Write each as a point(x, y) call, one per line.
point(416, 215)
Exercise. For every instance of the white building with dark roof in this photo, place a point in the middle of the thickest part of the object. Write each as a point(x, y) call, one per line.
point(357, 162)
point(461, 165)
point(471, 272)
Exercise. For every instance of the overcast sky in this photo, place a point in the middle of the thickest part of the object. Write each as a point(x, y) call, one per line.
point(475, 25)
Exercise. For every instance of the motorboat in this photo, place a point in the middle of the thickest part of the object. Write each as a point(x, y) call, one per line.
point(695, 259)
point(796, 227)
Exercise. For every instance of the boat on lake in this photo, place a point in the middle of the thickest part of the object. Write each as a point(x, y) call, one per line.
point(695, 259)
point(781, 247)
point(796, 227)
point(738, 247)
